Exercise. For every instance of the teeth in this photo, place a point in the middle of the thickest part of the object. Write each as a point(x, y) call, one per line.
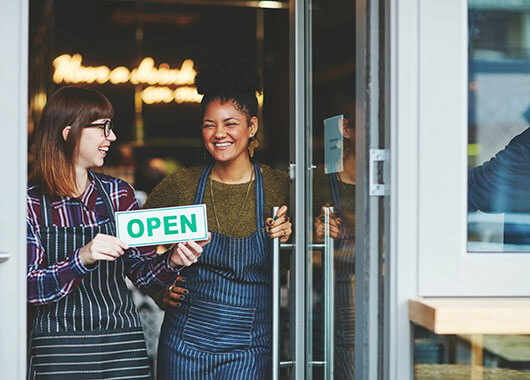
point(105, 149)
point(222, 144)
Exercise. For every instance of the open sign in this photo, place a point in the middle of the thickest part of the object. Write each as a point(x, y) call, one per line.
point(162, 225)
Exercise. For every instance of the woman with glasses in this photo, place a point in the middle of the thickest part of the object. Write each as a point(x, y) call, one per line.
point(221, 327)
point(84, 323)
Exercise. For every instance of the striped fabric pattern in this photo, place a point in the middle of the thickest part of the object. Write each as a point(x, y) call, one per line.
point(94, 332)
point(344, 295)
point(120, 354)
point(51, 278)
point(223, 328)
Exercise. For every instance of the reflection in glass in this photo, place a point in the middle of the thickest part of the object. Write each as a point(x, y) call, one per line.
point(499, 114)
point(331, 153)
point(469, 357)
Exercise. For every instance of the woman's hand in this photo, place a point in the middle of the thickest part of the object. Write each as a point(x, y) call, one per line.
point(186, 253)
point(280, 226)
point(334, 226)
point(102, 247)
point(174, 295)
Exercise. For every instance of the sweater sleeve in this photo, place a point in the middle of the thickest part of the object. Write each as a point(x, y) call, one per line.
point(502, 184)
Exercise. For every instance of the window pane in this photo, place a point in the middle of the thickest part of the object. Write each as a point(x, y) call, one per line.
point(498, 132)
point(469, 357)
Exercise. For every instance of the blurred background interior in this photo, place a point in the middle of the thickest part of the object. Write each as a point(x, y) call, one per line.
point(143, 56)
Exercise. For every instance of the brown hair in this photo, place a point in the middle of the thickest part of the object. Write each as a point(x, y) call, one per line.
point(55, 158)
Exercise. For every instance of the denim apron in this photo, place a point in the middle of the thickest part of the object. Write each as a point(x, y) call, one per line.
point(344, 294)
point(223, 328)
point(95, 331)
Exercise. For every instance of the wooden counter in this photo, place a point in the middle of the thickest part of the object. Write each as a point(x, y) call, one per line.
point(472, 315)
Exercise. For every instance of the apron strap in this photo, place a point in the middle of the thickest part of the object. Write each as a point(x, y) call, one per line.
point(104, 196)
point(260, 198)
point(199, 194)
point(46, 211)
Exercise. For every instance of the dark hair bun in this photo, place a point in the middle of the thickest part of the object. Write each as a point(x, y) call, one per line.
point(227, 78)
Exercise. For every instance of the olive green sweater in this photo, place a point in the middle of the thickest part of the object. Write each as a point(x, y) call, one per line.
point(322, 197)
point(179, 189)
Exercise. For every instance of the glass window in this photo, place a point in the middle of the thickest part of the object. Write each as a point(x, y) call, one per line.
point(469, 357)
point(498, 126)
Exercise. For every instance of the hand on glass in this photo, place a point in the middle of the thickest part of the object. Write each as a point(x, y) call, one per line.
point(187, 253)
point(174, 295)
point(320, 225)
point(280, 225)
point(102, 247)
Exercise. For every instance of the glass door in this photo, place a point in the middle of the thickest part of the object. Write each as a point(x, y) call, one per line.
point(330, 190)
point(338, 168)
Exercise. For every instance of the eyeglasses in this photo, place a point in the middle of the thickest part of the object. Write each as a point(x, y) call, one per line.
point(106, 126)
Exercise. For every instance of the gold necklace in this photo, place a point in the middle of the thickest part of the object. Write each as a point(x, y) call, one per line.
point(240, 210)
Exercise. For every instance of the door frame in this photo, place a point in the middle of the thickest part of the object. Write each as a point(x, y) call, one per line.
point(14, 27)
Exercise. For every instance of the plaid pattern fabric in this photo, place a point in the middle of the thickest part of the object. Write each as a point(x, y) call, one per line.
point(49, 282)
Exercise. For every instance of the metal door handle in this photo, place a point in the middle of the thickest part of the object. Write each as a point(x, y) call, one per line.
point(329, 297)
point(275, 305)
point(276, 246)
point(4, 256)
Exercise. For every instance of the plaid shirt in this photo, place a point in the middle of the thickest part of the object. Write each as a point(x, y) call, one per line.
point(47, 284)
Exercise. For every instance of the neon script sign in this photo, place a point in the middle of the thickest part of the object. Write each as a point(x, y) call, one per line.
point(70, 69)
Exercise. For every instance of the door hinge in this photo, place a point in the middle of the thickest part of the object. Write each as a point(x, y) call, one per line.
point(378, 175)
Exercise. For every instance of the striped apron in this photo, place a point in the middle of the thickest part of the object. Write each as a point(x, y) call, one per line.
point(223, 328)
point(95, 331)
point(344, 294)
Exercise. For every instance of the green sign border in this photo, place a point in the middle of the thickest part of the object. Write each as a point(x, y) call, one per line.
point(202, 206)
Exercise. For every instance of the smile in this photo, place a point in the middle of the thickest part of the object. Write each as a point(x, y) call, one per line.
point(222, 144)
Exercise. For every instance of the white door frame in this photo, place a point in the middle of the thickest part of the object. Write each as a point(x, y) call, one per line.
point(14, 25)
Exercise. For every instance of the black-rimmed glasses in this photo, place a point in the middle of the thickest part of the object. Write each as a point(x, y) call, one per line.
point(105, 125)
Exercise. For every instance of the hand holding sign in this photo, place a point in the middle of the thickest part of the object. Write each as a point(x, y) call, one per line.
point(102, 247)
point(186, 253)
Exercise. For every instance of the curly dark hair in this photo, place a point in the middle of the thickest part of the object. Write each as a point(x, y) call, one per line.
point(229, 80)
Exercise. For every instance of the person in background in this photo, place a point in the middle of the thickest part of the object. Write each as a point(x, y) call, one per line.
point(502, 185)
point(337, 190)
point(84, 323)
point(221, 329)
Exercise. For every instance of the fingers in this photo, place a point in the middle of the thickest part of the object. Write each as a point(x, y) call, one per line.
point(282, 231)
point(168, 301)
point(111, 240)
point(190, 249)
point(281, 211)
point(102, 247)
point(334, 227)
point(277, 230)
point(280, 225)
point(194, 247)
point(174, 295)
point(185, 254)
point(177, 290)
